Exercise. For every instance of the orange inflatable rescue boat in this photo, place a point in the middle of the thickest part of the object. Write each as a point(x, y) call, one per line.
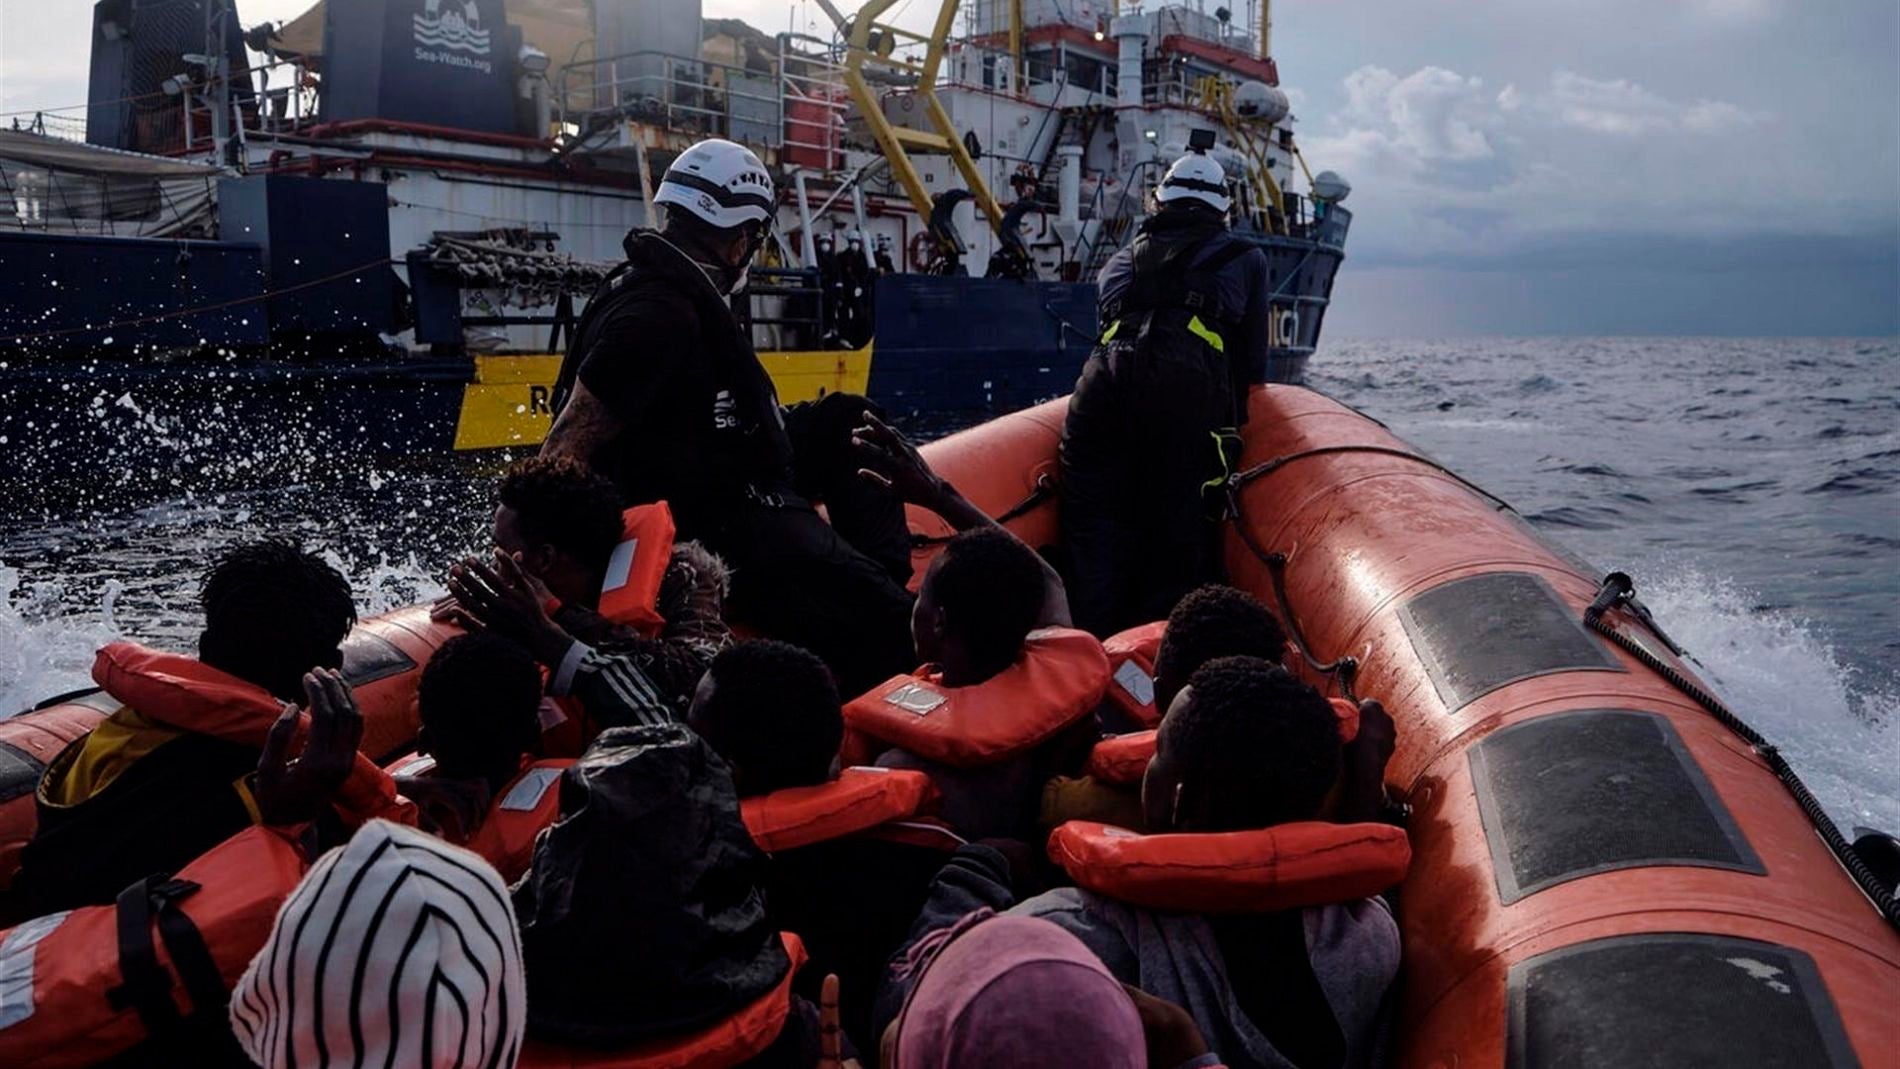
point(1604, 870)
point(1607, 867)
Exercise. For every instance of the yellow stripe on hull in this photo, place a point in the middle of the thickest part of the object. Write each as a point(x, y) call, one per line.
point(508, 403)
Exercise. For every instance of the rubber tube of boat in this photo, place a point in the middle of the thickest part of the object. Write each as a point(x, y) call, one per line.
point(1069, 184)
point(1131, 33)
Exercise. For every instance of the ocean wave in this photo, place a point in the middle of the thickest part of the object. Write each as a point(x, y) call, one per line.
point(1783, 675)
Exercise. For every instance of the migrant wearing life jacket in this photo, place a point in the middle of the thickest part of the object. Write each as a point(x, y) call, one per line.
point(629, 596)
point(184, 693)
point(85, 985)
point(1288, 866)
point(734, 1041)
point(162, 780)
point(1131, 661)
point(1121, 760)
point(1058, 679)
point(859, 800)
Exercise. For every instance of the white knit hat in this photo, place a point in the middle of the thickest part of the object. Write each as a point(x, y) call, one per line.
point(397, 949)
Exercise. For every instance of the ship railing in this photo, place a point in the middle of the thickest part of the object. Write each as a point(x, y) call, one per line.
point(678, 93)
point(817, 104)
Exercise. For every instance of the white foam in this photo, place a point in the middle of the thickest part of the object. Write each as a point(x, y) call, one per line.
point(48, 638)
point(1781, 675)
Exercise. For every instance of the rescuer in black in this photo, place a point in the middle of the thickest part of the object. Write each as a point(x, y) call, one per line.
point(1184, 328)
point(661, 391)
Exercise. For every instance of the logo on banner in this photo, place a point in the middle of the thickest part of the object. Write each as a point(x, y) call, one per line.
point(459, 27)
point(447, 28)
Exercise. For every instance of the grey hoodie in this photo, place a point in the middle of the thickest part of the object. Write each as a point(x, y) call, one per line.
point(1354, 949)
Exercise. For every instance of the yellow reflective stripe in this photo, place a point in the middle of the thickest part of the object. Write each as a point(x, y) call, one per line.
point(1199, 330)
point(1109, 334)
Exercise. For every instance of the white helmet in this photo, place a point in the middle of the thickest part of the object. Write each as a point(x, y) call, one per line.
point(1195, 177)
point(721, 182)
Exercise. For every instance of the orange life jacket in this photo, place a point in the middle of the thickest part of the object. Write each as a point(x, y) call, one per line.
point(1283, 867)
point(1123, 759)
point(1058, 680)
point(189, 695)
point(1131, 660)
point(517, 816)
point(87, 984)
point(630, 593)
point(858, 800)
point(514, 819)
point(566, 729)
point(734, 1041)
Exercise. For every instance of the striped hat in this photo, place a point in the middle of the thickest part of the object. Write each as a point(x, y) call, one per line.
point(397, 949)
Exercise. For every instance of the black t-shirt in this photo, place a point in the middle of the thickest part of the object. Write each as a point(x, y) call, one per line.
point(639, 352)
point(700, 421)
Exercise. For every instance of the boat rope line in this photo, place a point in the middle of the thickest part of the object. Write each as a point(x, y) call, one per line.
point(1619, 591)
point(1268, 467)
point(199, 310)
point(1345, 668)
point(1044, 490)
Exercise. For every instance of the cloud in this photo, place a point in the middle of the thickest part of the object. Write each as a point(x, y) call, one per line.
point(1448, 168)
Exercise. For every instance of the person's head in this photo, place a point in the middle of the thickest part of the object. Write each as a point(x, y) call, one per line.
point(770, 710)
point(1194, 182)
point(978, 601)
point(273, 612)
point(1008, 991)
point(1212, 622)
point(717, 202)
point(563, 518)
point(1245, 746)
point(419, 956)
point(480, 700)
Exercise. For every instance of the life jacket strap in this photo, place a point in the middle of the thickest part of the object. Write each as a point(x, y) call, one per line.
point(145, 985)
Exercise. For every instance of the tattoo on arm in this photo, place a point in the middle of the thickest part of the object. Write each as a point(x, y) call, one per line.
point(582, 427)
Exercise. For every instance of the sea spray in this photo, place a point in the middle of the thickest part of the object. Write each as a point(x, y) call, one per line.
point(1786, 680)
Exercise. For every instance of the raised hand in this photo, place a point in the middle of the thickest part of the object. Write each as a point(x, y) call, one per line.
point(891, 461)
point(293, 790)
point(501, 597)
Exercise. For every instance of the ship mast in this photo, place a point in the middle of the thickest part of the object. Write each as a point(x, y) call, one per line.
point(1266, 29)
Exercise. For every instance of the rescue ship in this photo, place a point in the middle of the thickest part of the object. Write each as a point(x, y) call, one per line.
point(1602, 863)
point(369, 230)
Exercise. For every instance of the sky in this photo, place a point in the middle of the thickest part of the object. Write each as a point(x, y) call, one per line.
point(1520, 166)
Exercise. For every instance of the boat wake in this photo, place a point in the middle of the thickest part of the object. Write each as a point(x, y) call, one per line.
point(1781, 675)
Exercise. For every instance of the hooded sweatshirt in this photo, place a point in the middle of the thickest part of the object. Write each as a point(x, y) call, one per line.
point(397, 949)
point(1006, 991)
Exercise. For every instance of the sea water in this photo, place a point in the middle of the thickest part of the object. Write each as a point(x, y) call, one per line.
point(1751, 487)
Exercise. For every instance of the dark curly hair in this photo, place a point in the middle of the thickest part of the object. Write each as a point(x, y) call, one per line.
point(1212, 622)
point(773, 713)
point(990, 588)
point(1258, 746)
point(480, 700)
point(273, 611)
point(563, 503)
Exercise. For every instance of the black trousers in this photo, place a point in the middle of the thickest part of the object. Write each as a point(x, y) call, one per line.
point(838, 588)
point(1138, 444)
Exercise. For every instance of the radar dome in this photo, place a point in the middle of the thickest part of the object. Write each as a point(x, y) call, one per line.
point(1261, 102)
point(1327, 185)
